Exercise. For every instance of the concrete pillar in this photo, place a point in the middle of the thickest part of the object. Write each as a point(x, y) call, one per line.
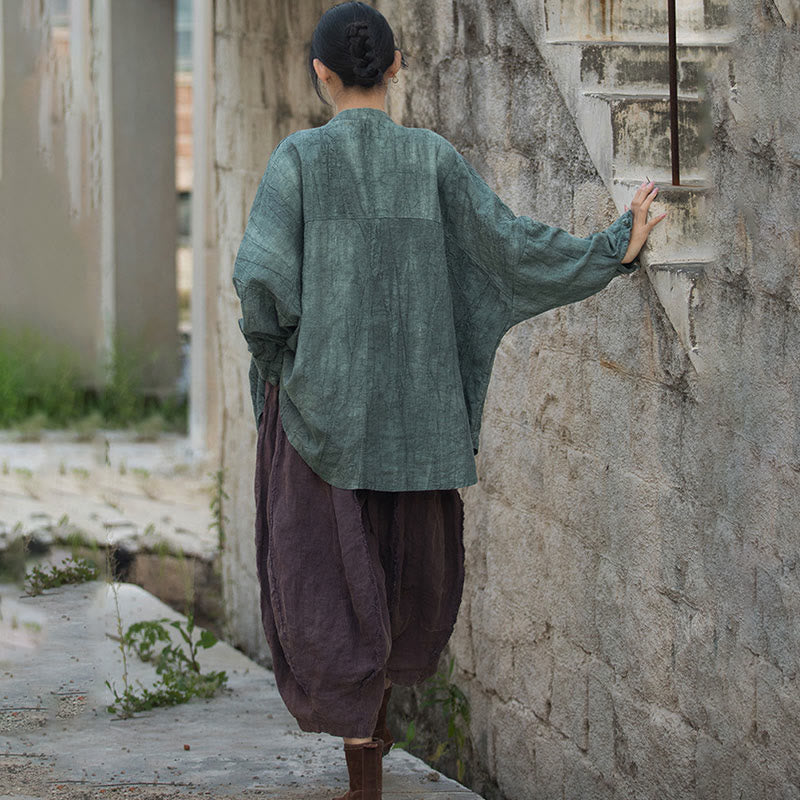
point(204, 390)
point(142, 39)
point(48, 257)
point(87, 202)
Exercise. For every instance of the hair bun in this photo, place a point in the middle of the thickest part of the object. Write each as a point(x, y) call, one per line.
point(362, 48)
point(353, 40)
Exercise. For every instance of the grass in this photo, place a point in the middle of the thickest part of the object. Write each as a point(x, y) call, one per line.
point(72, 570)
point(42, 386)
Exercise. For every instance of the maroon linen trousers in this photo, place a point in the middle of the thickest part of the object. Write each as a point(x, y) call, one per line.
point(355, 584)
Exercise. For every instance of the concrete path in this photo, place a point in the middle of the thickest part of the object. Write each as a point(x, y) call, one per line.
point(114, 491)
point(57, 740)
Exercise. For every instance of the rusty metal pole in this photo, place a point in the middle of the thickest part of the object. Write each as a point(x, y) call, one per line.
point(673, 93)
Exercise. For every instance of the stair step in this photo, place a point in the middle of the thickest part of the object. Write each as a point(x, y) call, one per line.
point(702, 40)
point(640, 132)
point(631, 19)
point(638, 65)
point(684, 233)
point(652, 94)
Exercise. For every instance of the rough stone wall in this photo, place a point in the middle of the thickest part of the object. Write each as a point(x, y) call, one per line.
point(629, 624)
point(262, 95)
point(630, 620)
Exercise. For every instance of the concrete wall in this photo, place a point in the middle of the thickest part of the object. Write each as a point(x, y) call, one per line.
point(144, 204)
point(87, 194)
point(49, 235)
point(632, 608)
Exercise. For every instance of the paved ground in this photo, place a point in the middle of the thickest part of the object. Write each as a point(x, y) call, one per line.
point(57, 650)
point(113, 491)
point(57, 740)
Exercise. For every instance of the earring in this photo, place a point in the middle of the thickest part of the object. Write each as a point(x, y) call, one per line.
point(395, 79)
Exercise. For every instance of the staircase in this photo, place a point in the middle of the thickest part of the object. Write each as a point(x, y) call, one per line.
point(609, 59)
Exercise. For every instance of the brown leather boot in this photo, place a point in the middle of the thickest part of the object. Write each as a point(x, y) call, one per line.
point(381, 731)
point(365, 771)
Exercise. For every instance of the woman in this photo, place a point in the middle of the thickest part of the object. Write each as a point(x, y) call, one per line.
point(377, 274)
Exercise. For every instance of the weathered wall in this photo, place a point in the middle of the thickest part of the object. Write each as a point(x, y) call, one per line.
point(262, 95)
point(49, 228)
point(87, 196)
point(630, 619)
point(631, 615)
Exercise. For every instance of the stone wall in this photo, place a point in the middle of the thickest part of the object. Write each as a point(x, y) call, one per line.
point(629, 625)
point(262, 95)
point(630, 619)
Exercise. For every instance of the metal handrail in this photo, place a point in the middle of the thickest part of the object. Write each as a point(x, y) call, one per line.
point(673, 93)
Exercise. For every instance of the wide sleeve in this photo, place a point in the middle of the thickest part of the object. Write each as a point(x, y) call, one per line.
point(532, 267)
point(267, 272)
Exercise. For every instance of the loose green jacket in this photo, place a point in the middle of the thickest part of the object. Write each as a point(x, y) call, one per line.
point(377, 274)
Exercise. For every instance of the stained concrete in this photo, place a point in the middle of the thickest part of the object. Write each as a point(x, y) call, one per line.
point(58, 740)
point(88, 200)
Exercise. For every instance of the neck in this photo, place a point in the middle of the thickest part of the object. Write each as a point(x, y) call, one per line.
point(360, 100)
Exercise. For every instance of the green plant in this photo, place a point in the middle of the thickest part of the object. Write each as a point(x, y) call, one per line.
point(180, 676)
point(37, 375)
point(42, 385)
point(121, 400)
point(443, 693)
point(218, 496)
point(72, 570)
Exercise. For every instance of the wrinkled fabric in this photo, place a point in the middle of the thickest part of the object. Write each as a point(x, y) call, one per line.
point(377, 274)
point(355, 584)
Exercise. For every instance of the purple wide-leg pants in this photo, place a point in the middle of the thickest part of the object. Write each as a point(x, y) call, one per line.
point(355, 584)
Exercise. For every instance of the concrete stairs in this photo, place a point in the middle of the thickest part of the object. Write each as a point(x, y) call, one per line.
point(609, 59)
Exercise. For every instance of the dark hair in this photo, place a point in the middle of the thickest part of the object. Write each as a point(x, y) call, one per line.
point(355, 41)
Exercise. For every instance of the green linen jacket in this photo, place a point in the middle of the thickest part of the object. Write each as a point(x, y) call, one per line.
point(377, 274)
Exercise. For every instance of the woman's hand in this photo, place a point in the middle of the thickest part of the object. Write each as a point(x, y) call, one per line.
point(641, 227)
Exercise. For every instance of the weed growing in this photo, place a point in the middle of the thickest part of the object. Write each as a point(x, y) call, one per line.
point(441, 692)
point(72, 570)
point(180, 676)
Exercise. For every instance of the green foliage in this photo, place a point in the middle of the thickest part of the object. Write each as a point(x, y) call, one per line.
point(36, 375)
point(41, 386)
point(149, 429)
point(121, 400)
point(441, 692)
point(180, 677)
point(72, 570)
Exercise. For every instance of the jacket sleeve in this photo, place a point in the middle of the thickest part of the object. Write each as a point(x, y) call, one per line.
point(532, 267)
point(267, 271)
